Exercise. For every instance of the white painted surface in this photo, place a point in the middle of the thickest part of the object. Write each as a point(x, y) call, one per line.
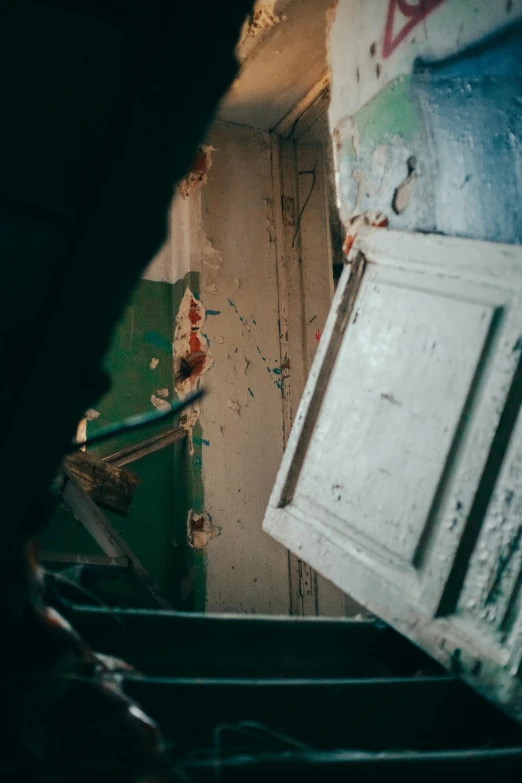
point(181, 252)
point(279, 72)
point(357, 74)
point(242, 415)
point(379, 484)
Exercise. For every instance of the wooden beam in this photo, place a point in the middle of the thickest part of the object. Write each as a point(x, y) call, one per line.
point(108, 485)
point(146, 446)
point(111, 542)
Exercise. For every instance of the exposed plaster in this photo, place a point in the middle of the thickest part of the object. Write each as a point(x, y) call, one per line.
point(153, 363)
point(200, 530)
point(159, 404)
point(197, 175)
point(192, 357)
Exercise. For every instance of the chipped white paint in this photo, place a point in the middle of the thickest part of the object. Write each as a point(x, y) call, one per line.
point(356, 45)
point(420, 363)
point(162, 392)
point(159, 404)
point(153, 363)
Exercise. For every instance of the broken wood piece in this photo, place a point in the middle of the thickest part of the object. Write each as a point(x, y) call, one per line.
point(146, 446)
point(108, 485)
point(110, 541)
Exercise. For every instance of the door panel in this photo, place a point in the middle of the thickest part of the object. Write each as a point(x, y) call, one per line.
point(402, 478)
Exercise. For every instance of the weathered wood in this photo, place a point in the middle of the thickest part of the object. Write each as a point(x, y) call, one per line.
point(417, 714)
point(108, 485)
point(111, 542)
point(401, 479)
point(147, 446)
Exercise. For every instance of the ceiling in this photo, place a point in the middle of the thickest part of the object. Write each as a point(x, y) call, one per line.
point(283, 60)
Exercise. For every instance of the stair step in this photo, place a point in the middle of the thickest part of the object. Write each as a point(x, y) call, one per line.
point(484, 766)
point(372, 715)
point(198, 645)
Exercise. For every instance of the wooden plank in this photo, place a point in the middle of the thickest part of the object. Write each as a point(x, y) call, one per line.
point(418, 714)
point(113, 544)
point(237, 646)
point(146, 446)
point(108, 485)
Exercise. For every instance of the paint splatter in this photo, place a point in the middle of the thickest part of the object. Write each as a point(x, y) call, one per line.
point(212, 312)
point(153, 363)
point(156, 339)
point(318, 335)
point(250, 391)
point(201, 441)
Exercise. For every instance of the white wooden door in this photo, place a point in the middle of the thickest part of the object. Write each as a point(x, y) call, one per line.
point(402, 480)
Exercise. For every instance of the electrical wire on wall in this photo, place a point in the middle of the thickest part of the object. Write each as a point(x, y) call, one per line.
point(298, 224)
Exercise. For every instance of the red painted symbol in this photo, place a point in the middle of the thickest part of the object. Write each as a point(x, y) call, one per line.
point(318, 335)
point(403, 16)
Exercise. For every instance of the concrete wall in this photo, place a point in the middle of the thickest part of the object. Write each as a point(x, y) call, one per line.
point(242, 414)
point(427, 130)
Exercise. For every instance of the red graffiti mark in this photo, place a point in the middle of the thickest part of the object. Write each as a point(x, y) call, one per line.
point(318, 335)
point(194, 316)
point(412, 14)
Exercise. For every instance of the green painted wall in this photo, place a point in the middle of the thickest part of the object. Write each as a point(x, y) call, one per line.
point(170, 480)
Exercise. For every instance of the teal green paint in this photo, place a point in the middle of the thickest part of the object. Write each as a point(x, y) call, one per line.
point(390, 113)
point(201, 441)
point(170, 479)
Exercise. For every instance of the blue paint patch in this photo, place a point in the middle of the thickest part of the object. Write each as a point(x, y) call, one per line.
point(231, 303)
point(268, 369)
point(153, 338)
point(206, 338)
point(278, 384)
point(254, 322)
point(276, 371)
point(201, 441)
point(212, 312)
point(250, 392)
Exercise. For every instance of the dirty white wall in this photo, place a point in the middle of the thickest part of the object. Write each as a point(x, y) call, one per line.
point(241, 417)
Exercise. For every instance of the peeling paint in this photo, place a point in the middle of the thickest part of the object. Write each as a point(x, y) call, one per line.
point(191, 351)
point(197, 175)
point(233, 406)
point(162, 392)
point(153, 363)
point(370, 218)
point(91, 414)
point(209, 255)
point(401, 197)
point(200, 529)
point(159, 404)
